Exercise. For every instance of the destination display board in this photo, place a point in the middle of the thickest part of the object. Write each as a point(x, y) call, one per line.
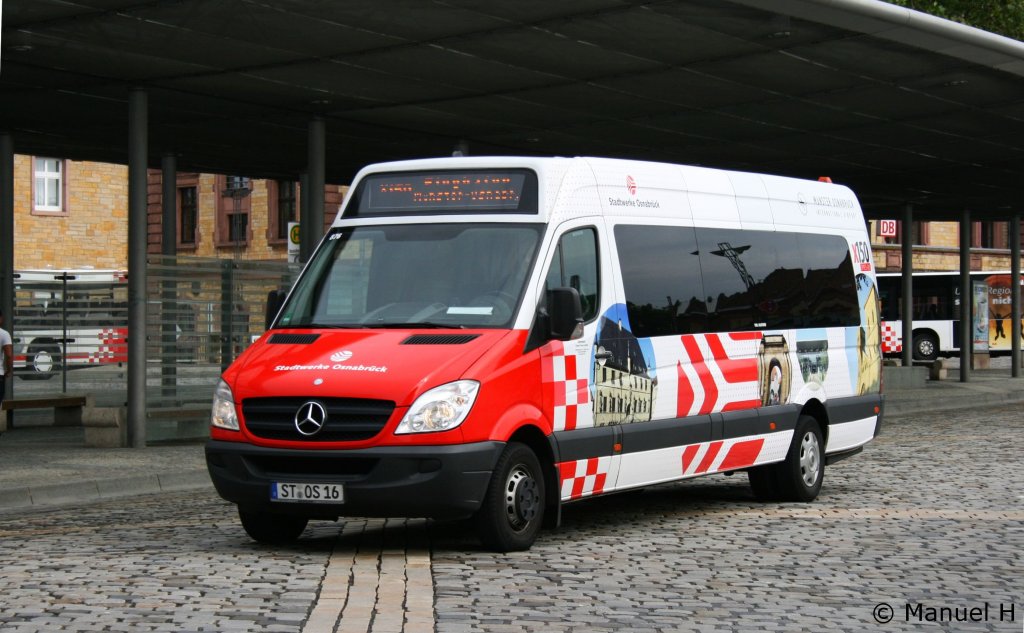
point(467, 191)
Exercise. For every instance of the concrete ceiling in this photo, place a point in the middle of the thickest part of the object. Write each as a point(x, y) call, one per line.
point(899, 106)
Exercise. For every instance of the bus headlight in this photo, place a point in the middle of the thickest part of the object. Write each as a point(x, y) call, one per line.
point(223, 414)
point(440, 409)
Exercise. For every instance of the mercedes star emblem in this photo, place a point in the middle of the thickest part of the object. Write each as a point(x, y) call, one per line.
point(310, 418)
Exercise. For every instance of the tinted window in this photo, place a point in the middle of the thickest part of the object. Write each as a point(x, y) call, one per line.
point(575, 266)
point(680, 281)
point(743, 281)
point(829, 284)
point(661, 275)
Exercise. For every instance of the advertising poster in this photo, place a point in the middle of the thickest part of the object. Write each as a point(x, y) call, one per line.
point(1000, 305)
point(980, 316)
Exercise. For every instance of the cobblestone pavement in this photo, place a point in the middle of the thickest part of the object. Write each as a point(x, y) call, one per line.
point(930, 515)
point(182, 563)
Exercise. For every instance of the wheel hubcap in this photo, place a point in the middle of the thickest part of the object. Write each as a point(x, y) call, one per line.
point(810, 459)
point(522, 499)
point(42, 362)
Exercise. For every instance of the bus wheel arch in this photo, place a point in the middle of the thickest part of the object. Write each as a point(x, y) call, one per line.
point(519, 496)
point(816, 410)
point(42, 359)
point(925, 344)
point(800, 475)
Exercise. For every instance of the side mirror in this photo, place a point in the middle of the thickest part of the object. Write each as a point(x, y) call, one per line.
point(275, 299)
point(565, 314)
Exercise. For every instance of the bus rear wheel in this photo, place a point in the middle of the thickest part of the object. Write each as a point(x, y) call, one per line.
point(799, 476)
point(926, 346)
point(513, 507)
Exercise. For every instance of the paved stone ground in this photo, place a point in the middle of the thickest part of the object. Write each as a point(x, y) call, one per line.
point(931, 514)
point(181, 562)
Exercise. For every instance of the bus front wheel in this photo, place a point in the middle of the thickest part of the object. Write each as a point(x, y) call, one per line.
point(926, 346)
point(272, 529)
point(513, 507)
point(43, 361)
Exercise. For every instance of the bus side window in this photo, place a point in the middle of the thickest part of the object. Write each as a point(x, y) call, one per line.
point(575, 266)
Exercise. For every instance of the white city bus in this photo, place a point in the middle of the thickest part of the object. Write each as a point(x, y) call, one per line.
point(69, 318)
point(492, 338)
point(936, 312)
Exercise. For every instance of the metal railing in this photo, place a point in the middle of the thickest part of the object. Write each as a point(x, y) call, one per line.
point(202, 314)
point(71, 329)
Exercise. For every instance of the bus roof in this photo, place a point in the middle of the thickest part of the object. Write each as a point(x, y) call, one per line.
point(587, 186)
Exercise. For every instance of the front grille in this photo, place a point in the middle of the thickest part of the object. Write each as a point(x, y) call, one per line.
point(348, 419)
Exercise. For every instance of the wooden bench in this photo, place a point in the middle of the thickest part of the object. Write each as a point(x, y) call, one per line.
point(67, 408)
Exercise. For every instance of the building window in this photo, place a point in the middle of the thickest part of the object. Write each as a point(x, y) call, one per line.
point(233, 207)
point(283, 199)
point(990, 235)
point(48, 193)
point(188, 212)
point(238, 224)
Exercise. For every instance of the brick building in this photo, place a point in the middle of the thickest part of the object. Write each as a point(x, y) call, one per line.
point(74, 214)
point(937, 246)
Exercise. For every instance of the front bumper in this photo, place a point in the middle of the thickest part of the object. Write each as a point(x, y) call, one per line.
point(409, 481)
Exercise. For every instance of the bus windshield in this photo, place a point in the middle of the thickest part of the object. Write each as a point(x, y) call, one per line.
point(415, 275)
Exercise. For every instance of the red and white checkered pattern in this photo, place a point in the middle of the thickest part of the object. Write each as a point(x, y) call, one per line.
point(892, 339)
point(566, 379)
point(113, 347)
point(583, 477)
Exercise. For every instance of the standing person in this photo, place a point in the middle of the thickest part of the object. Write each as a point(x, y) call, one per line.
point(6, 358)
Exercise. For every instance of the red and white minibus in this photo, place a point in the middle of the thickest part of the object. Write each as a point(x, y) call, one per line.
point(493, 338)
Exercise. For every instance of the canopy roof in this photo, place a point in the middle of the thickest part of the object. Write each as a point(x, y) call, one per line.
point(902, 107)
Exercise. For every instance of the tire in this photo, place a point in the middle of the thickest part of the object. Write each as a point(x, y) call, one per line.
point(800, 475)
point(43, 362)
point(762, 482)
point(926, 346)
point(272, 529)
point(513, 508)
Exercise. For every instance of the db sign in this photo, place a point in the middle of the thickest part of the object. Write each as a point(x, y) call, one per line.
point(887, 228)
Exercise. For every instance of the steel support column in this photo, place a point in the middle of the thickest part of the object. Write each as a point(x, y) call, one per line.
point(138, 150)
point(1015, 312)
point(7, 243)
point(313, 224)
point(966, 297)
point(906, 277)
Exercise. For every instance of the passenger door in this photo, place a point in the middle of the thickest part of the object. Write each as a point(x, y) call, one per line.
point(578, 259)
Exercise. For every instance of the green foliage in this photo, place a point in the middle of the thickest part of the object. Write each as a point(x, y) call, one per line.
point(1005, 17)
